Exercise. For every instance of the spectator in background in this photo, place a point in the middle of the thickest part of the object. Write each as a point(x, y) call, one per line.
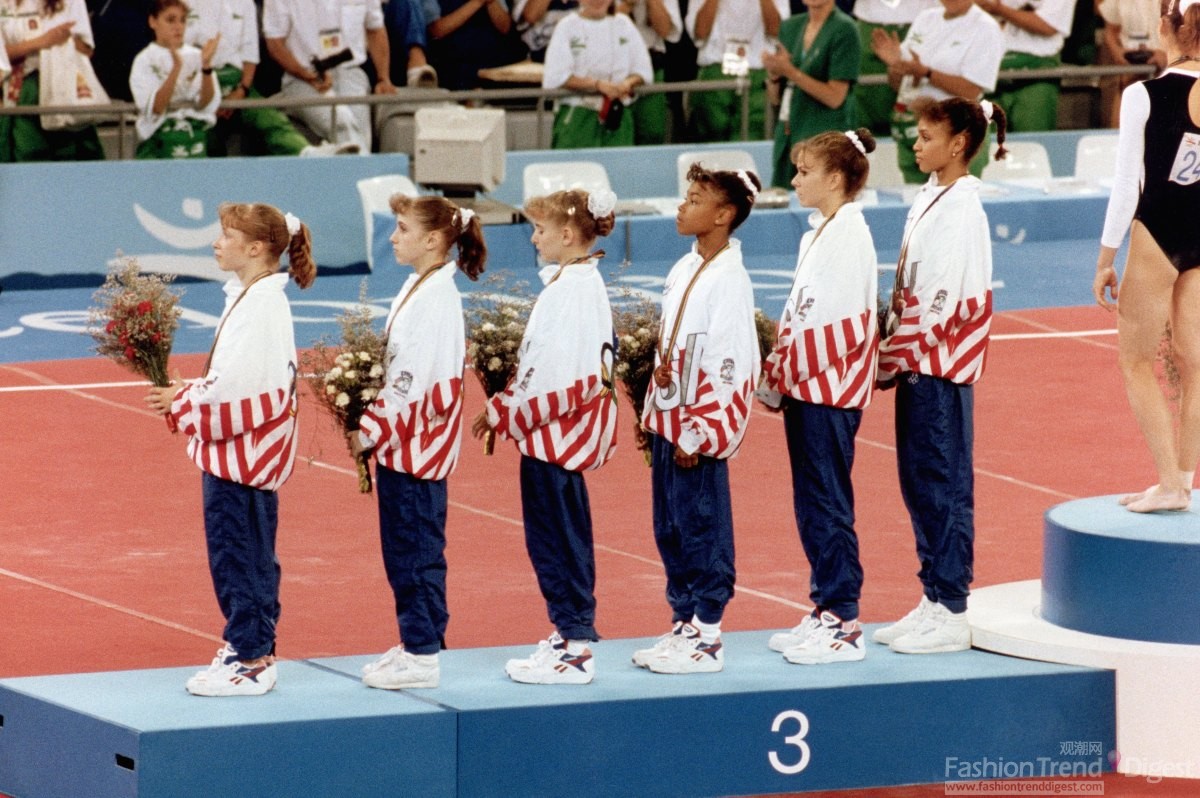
point(536, 20)
point(174, 88)
point(600, 55)
point(466, 36)
point(235, 61)
point(1034, 32)
point(731, 36)
point(119, 27)
point(28, 27)
point(817, 60)
point(1130, 37)
point(950, 51)
point(306, 37)
point(660, 23)
point(407, 44)
point(875, 103)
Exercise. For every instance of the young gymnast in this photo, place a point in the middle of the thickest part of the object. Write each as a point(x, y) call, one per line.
point(561, 412)
point(414, 427)
point(240, 421)
point(1157, 190)
point(933, 352)
point(821, 373)
point(696, 412)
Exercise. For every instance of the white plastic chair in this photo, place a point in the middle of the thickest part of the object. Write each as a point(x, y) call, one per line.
point(725, 160)
point(547, 177)
point(1096, 156)
point(375, 193)
point(885, 170)
point(1027, 162)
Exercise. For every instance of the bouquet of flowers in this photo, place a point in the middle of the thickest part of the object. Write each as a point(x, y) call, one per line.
point(134, 320)
point(347, 377)
point(768, 333)
point(496, 321)
point(637, 326)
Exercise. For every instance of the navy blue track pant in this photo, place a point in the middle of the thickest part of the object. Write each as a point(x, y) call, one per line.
point(693, 527)
point(820, 443)
point(934, 443)
point(239, 527)
point(558, 537)
point(412, 532)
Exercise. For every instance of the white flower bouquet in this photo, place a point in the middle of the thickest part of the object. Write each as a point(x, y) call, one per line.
point(496, 321)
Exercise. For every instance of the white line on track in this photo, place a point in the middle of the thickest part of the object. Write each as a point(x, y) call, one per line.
point(108, 605)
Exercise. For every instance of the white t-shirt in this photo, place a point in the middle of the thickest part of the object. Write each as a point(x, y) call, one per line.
point(641, 19)
point(891, 12)
point(971, 46)
point(22, 20)
point(735, 19)
point(150, 68)
point(606, 49)
point(1138, 20)
point(320, 28)
point(237, 23)
point(1056, 13)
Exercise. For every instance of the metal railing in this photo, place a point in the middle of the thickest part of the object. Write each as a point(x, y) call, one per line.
point(124, 112)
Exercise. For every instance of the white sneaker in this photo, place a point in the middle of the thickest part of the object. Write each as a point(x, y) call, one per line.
point(939, 632)
point(328, 148)
point(551, 663)
point(421, 77)
point(228, 676)
point(905, 625)
point(385, 661)
point(834, 640)
point(402, 670)
point(642, 656)
point(797, 635)
point(685, 652)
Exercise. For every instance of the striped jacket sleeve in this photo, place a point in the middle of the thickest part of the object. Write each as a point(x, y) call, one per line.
point(209, 421)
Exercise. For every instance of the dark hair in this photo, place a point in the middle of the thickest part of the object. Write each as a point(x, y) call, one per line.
point(159, 6)
point(1184, 27)
point(570, 207)
point(965, 116)
point(731, 186)
point(438, 214)
point(840, 154)
point(262, 222)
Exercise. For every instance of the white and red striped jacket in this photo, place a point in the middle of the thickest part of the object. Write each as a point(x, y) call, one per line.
point(715, 363)
point(241, 418)
point(828, 336)
point(415, 424)
point(561, 407)
point(947, 291)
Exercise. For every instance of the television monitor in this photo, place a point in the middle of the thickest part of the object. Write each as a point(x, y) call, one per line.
point(459, 150)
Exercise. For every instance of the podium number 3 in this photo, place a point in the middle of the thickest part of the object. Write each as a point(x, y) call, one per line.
point(796, 740)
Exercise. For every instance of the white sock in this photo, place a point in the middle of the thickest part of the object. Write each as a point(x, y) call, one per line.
point(426, 659)
point(576, 647)
point(709, 632)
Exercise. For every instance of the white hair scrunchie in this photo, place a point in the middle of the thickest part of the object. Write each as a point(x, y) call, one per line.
point(856, 141)
point(744, 176)
point(465, 215)
point(293, 224)
point(601, 203)
point(989, 109)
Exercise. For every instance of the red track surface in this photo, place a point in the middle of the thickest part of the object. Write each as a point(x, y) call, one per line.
point(103, 568)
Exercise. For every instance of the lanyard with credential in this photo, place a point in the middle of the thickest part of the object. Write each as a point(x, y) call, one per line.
point(902, 261)
point(212, 350)
point(662, 374)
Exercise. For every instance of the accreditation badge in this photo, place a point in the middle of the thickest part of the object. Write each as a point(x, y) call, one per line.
point(330, 41)
point(736, 62)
